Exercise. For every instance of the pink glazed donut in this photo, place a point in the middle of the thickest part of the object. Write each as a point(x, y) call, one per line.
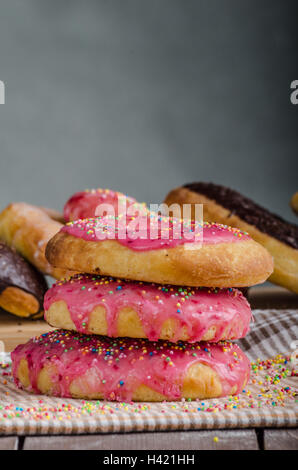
point(84, 204)
point(159, 249)
point(116, 308)
point(66, 364)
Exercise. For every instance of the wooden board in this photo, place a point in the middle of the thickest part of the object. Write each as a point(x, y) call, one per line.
point(187, 440)
point(9, 443)
point(14, 331)
point(281, 439)
point(269, 296)
point(236, 439)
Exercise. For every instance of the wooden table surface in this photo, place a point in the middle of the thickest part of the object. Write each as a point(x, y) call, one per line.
point(14, 331)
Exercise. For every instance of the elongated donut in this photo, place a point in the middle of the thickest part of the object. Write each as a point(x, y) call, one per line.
point(53, 214)
point(294, 203)
point(224, 205)
point(66, 364)
point(215, 256)
point(85, 204)
point(27, 229)
point(106, 306)
point(22, 287)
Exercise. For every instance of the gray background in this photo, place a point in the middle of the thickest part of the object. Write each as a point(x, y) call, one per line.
point(145, 95)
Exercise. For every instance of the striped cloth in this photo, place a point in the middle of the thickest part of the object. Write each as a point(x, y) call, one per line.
point(269, 400)
point(273, 332)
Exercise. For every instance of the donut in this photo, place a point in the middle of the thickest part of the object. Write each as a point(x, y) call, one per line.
point(113, 307)
point(66, 364)
point(216, 255)
point(53, 214)
point(27, 229)
point(85, 204)
point(22, 287)
point(294, 203)
point(226, 206)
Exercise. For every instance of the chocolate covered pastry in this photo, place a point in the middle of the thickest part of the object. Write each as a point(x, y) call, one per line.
point(22, 287)
point(226, 206)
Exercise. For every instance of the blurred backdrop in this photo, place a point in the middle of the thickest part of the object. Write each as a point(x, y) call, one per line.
point(145, 95)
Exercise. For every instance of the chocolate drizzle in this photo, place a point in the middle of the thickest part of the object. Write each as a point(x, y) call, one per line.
point(249, 212)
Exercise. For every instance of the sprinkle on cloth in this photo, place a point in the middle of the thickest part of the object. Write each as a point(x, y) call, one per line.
point(267, 390)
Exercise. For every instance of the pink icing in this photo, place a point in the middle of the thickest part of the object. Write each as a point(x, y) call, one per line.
point(142, 238)
point(196, 309)
point(84, 204)
point(116, 367)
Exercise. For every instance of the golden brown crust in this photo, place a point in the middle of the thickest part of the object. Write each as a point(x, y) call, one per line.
point(128, 324)
point(28, 229)
point(53, 214)
point(294, 203)
point(200, 381)
point(285, 257)
point(239, 264)
point(19, 302)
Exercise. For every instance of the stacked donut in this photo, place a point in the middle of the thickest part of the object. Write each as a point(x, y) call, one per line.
point(152, 317)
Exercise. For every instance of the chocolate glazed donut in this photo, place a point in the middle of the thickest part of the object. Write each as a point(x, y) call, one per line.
point(22, 287)
point(226, 206)
point(249, 212)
